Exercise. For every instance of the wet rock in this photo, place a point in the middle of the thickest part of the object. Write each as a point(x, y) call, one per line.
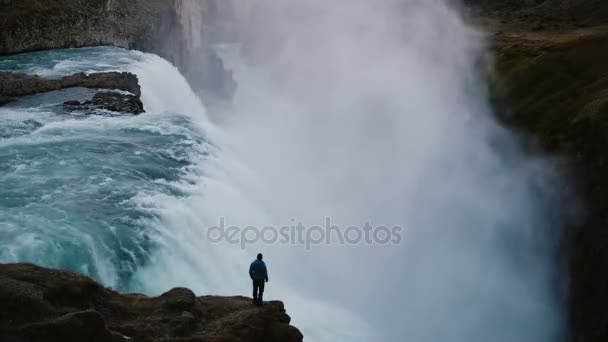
point(104, 80)
point(15, 85)
point(39, 305)
point(4, 100)
point(109, 101)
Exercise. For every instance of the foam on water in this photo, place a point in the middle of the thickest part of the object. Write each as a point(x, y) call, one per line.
point(128, 200)
point(68, 181)
point(57, 63)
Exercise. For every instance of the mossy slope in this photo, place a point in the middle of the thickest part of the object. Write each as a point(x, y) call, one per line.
point(554, 85)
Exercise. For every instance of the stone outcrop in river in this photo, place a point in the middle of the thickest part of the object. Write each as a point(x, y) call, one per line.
point(108, 101)
point(15, 85)
point(46, 305)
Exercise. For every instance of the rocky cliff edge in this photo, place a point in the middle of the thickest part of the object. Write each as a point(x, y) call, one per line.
point(40, 304)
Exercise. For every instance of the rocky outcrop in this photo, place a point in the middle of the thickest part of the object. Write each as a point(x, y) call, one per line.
point(551, 80)
point(53, 306)
point(118, 103)
point(15, 85)
point(173, 29)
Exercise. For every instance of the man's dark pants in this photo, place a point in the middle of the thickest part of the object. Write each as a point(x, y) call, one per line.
point(258, 290)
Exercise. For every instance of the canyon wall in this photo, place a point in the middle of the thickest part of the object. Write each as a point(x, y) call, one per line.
point(551, 81)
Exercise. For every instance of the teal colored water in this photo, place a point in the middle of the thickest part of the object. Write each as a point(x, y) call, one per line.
point(55, 63)
point(69, 183)
point(129, 200)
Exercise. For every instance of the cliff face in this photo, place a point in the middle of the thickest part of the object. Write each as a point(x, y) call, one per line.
point(548, 12)
point(29, 25)
point(173, 29)
point(52, 306)
point(190, 48)
point(551, 80)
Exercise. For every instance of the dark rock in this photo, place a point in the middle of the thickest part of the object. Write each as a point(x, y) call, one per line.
point(184, 324)
point(111, 101)
point(187, 315)
point(178, 299)
point(553, 85)
point(42, 305)
point(4, 100)
point(538, 27)
point(15, 85)
point(104, 80)
point(41, 25)
point(73, 103)
point(76, 326)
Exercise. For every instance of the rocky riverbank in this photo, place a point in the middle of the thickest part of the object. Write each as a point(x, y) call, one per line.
point(46, 305)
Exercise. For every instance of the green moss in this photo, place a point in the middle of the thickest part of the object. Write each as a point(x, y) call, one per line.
point(551, 85)
point(557, 90)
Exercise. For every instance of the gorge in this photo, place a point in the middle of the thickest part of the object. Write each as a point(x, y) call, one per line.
point(478, 129)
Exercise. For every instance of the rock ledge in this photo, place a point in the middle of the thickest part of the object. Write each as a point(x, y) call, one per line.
point(14, 85)
point(47, 305)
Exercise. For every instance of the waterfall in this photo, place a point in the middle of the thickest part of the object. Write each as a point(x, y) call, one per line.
point(365, 111)
point(74, 186)
point(191, 14)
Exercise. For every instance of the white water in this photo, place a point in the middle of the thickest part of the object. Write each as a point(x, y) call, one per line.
point(68, 180)
point(353, 120)
point(364, 123)
point(351, 117)
point(217, 188)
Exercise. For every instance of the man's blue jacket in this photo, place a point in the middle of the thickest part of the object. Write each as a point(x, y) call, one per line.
point(257, 270)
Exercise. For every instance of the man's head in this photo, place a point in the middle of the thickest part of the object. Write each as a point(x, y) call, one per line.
point(260, 256)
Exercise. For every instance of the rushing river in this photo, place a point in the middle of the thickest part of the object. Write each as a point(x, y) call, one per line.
point(72, 185)
point(120, 198)
point(343, 124)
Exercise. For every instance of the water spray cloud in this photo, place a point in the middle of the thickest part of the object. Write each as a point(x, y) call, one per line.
point(375, 111)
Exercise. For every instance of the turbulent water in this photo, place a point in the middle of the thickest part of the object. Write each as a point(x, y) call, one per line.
point(122, 199)
point(74, 188)
point(346, 125)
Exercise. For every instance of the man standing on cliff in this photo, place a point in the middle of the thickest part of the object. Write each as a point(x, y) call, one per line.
point(259, 275)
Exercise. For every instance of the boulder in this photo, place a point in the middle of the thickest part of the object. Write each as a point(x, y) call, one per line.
point(109, 101)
